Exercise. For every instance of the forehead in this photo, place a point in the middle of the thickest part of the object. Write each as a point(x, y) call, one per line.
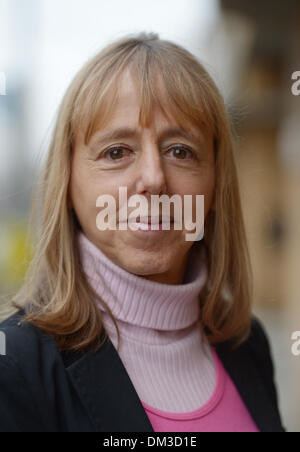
point(126, 111)
point(137, 98)
point(127, 88)
point(130, 100)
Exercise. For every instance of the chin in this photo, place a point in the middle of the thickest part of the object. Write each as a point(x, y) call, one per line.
point(147, 267)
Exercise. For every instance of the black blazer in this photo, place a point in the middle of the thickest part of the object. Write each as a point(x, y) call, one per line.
point(43, 390)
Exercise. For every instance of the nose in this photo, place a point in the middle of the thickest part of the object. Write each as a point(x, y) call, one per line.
point(151, 177)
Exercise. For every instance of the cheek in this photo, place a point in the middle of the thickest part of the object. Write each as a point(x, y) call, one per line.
point(85, 188)
point(200, 185)
point(208, 189)
point(197, 184)
point(83, 192)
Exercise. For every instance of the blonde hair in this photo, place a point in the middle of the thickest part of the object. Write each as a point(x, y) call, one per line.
point(56, 295)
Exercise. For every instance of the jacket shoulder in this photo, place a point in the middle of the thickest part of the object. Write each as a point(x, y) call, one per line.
point(259, 342)
point(251, 367)
point(260, 345)
point(26, 360)
point(21, 339)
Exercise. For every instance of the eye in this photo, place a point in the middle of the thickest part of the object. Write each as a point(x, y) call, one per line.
point(115, 153)
point(182, 152)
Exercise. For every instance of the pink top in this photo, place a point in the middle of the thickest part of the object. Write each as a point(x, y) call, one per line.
point(225, 411)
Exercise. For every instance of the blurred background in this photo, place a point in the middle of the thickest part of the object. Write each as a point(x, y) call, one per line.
point(251, 50)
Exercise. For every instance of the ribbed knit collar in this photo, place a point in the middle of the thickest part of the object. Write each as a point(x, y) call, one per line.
point(139, 301)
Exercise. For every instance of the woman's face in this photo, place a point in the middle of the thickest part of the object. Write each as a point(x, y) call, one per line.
point(149, 161)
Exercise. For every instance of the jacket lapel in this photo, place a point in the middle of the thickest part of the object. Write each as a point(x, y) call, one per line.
point(249, 383)
point(106, 390)
point(110, 398)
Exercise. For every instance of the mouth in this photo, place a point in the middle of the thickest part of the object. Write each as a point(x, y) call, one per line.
point(148, 224)
point(152, 220)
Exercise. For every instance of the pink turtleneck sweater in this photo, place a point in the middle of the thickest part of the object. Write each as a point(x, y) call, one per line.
point(180, 380)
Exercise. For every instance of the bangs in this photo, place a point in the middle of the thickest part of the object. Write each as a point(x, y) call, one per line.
point(164, 80)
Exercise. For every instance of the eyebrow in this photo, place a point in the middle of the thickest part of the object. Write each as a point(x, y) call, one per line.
point(125, 132)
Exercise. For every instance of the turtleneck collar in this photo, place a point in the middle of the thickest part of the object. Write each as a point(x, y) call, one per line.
point(139, 301)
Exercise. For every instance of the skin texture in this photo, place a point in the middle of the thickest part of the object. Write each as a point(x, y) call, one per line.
point(147, 164)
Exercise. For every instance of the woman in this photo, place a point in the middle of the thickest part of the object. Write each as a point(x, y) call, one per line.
point(127, 329)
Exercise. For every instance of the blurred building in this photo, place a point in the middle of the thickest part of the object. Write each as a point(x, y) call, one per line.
point(18, 29)
point(267, 118)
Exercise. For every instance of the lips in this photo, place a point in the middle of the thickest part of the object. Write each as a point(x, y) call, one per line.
point(152, 220)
